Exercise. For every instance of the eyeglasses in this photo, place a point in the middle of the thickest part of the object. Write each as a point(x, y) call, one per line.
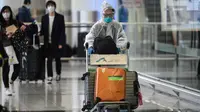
point(108, 15)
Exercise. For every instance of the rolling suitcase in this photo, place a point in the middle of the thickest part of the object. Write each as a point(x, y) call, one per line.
point(41, 64)
point(30, 63)
point(23, 68)
point(110, 84)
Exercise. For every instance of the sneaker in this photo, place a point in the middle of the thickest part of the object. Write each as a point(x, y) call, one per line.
point(49, 80)
point(8, 93)
point(58, 78)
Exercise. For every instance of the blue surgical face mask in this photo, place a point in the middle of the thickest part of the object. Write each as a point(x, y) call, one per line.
point(108, 19)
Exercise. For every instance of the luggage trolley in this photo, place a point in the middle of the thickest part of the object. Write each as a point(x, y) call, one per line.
point(132, 84)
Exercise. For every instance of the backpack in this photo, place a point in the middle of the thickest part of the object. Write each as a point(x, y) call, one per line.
point(105, 45)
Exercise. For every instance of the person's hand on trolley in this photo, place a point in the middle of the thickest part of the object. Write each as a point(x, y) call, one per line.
point(90, 50)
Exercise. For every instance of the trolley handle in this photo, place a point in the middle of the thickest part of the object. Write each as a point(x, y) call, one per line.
point(86, 46)
point(127, 45)
point(85, 75)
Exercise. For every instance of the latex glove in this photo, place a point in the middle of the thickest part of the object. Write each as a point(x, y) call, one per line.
point(119, 50)
point(90, 51)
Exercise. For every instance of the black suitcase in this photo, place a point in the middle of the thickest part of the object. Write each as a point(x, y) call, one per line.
point(23, 68)
point(66, 51)
point(30, 63)
point(41, 64)
point(81, 40)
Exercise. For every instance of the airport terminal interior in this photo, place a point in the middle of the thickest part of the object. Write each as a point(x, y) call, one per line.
point(164, 38)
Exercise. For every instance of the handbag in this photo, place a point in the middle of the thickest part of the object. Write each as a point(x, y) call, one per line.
point(20, 41)
point(105, 45)
point(12, 58)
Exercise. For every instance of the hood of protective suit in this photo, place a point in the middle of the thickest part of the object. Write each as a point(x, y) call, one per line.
point(105, 6)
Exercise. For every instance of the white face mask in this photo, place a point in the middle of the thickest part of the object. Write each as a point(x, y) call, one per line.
point(6, 15)
point(51, 9)
point(28, 6)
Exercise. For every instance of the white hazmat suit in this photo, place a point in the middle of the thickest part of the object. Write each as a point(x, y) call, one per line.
point(103, 29)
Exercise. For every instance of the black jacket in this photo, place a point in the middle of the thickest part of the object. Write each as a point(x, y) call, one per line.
point(24, 15)
point(58, 36)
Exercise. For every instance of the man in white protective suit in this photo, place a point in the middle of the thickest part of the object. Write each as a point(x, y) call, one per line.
point(105, 27)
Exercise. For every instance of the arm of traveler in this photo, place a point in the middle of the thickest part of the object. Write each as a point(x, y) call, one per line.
point(121, 39)
point(62, 36)
point(42, 27)
point(94, 32)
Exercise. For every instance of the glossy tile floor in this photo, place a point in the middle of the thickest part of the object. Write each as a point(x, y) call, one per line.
point(163, 65)
point(68, 95)
point(184, 74)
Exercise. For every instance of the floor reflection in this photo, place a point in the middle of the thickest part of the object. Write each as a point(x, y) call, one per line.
point(68, 94)
point(184, 74)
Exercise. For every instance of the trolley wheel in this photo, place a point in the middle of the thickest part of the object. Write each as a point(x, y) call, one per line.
point(84, 108)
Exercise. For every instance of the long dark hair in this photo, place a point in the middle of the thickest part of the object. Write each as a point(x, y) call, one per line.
point(2, 20)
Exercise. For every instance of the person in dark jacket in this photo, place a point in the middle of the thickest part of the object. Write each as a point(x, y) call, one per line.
point(24, 14)
point(6, 19)
point(53, 30)
point(123, 13)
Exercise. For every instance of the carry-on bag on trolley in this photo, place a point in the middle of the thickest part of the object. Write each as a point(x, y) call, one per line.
point(94, 87)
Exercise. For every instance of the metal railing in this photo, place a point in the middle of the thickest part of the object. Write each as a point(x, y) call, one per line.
point(153, 35)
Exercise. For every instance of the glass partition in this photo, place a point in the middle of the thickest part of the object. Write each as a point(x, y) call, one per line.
point(157, 53)
point(172, 56)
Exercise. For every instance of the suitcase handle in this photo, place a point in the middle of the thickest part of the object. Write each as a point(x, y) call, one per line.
point(34, 45)
point(86, 46)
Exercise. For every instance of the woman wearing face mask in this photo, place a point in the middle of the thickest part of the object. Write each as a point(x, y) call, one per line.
point(105, 27)
point(53, 29)
point(6, 19)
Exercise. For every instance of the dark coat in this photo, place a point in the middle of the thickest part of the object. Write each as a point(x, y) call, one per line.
point(24, 15)
point(58, 36)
